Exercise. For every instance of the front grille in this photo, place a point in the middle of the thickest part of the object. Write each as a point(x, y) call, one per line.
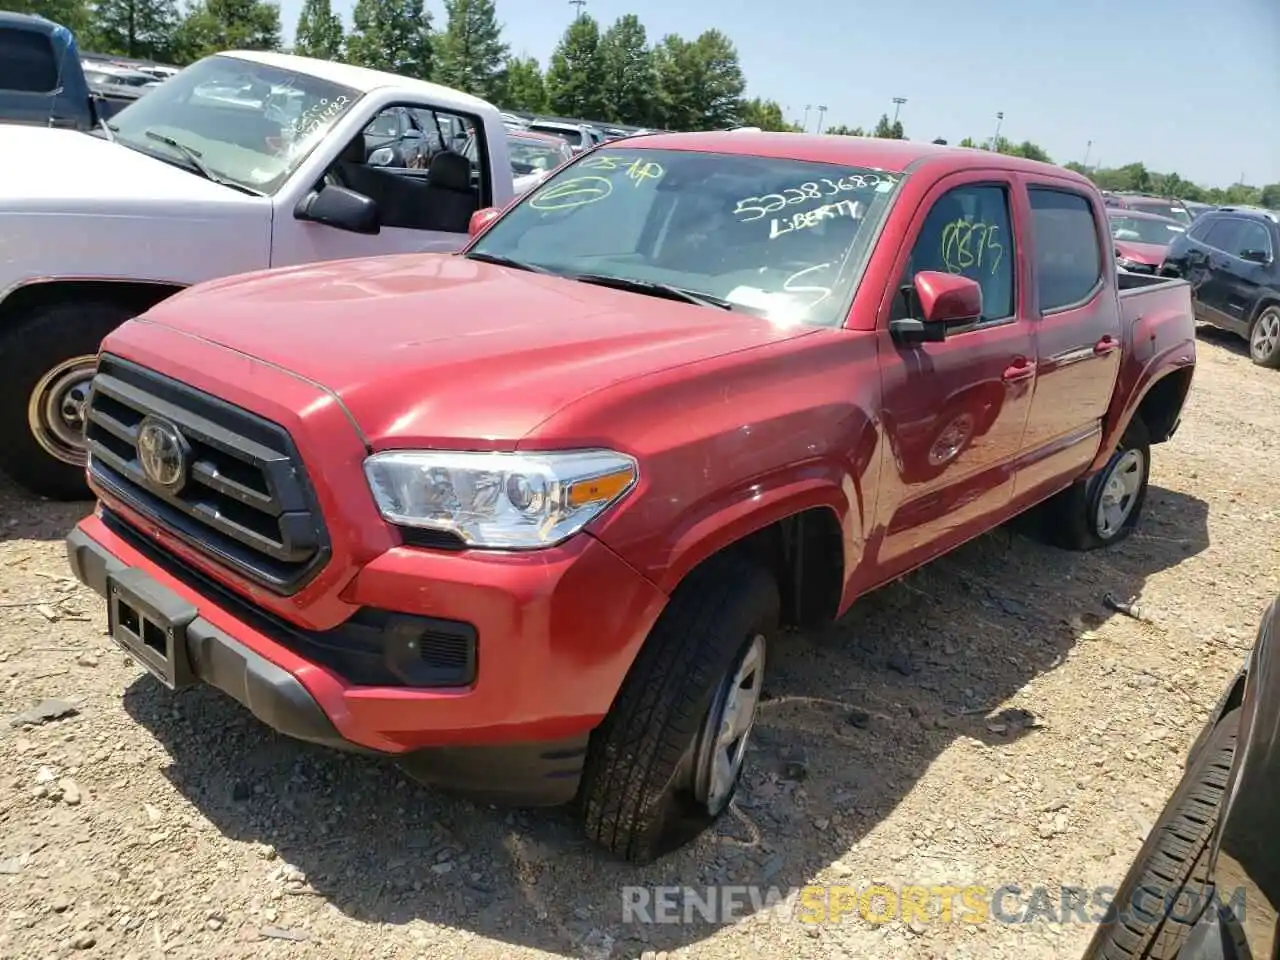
point(246, 501)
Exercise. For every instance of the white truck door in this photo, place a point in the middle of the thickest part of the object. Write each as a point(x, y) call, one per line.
point(408, 158)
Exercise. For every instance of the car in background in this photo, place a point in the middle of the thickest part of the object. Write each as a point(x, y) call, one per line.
point(534, 156)
point(1229, 258)
point(1141, 239)
point(1206, 883)
point(99, 74)
point(578, 136)
point(512, 122)
point(1162, 206)
point(1196, 209)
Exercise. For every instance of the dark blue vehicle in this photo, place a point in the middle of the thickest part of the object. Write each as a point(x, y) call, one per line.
point(41, 79)
point(1206, 884)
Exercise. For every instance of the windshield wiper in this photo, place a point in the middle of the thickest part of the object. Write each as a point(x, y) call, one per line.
point(502, 261)
point(654, 289)
point(192, 157)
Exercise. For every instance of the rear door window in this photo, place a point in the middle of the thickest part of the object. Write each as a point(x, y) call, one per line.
point(1251, 238)
point(28, 62)
point(1068, 259)
point(1223, 234)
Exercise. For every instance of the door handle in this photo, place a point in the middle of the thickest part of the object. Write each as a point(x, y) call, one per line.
point(1020, 369)
point(1106, 345)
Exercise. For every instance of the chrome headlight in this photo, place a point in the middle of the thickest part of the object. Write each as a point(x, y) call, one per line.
point(513, 501)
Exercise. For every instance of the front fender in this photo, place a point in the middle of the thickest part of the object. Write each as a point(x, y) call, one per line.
point(739, 512)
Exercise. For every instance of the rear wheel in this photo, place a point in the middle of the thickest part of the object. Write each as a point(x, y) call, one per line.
point(47, 361)
point(666, 762)
point(1264, 338)
point(1166, 889)
point(1103, 509)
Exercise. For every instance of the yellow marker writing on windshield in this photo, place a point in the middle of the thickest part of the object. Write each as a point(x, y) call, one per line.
point(575, 192)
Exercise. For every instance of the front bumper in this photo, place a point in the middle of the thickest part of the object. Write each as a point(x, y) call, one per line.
point(517, 733)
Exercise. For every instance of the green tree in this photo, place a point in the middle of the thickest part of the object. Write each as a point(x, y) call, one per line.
point(887, 129)
point(765, 114)
point(134, 28)
point(319, 32)
point(391, 35)
point(844, 130)
point(75, 15)
point(214, 25)
point(524, 88)
point(627, 72)
point(970, 143)
point(1269, 196)
point(672, 107)
point(718, 81)
point(470, 54)
point(575, 76)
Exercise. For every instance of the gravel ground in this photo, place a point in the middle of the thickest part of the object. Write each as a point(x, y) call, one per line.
point(985, 721)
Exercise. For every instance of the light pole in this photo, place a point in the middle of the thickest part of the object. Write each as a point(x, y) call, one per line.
point(821, 111)
point(579, 4)
point(897, 105)
point(804, 127)
point(1088, 149)
point(996, 139)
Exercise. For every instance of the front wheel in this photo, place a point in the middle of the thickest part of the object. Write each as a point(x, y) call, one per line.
point(666, 761)
point(1264, 338)
point(47, 360)
point(1103, 509)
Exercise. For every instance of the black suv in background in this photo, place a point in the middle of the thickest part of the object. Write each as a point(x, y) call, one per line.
point(1229, 256)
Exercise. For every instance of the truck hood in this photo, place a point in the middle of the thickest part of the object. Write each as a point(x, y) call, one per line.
point(56, 170)
point(439, 349)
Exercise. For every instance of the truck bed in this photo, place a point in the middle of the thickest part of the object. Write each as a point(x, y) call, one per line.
point(1156, 302)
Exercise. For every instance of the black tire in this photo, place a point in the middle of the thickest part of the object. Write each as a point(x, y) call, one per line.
point(1070, 518)
point(1168, 884)
point(638, 794)
point(1265, 356)
point(30, 347)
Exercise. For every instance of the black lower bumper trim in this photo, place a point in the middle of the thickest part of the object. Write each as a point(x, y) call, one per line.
point(524, 774)
point(218, 659)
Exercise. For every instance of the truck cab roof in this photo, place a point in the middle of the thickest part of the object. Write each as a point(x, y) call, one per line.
point(363, 79)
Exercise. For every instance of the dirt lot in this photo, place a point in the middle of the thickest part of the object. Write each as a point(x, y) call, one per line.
point(987, 721)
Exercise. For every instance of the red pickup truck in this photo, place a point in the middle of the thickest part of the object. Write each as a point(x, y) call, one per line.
point(525, 517)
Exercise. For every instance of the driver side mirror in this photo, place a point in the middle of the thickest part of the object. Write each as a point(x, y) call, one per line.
point(1256, 256)
point(341, 208)
point(481, 219)
point(944, 298)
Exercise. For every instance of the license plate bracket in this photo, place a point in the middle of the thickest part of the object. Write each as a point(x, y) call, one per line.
point(149, 622)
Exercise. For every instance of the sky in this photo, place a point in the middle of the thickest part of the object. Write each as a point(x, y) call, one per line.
point(1187, 87)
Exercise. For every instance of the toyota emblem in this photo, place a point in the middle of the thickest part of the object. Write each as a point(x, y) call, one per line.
point(162, 453)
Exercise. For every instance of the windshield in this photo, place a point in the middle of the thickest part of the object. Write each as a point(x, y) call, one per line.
point(1142, 230)
point(528, 155)
point(573, 137)
point(784, 239)
point(1172, 211)
point(249, 124)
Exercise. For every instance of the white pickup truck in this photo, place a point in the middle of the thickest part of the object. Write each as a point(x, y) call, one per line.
point(241, 162)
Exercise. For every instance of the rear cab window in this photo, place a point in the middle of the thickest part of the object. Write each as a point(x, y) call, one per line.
point(1068, 261)
point(28, 61)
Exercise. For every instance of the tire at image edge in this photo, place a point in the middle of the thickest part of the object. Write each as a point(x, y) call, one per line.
point(30, 346)
point(1177, 848)
point(636, 798)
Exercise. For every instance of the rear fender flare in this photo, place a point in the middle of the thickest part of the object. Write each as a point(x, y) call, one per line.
point(1175, 358)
